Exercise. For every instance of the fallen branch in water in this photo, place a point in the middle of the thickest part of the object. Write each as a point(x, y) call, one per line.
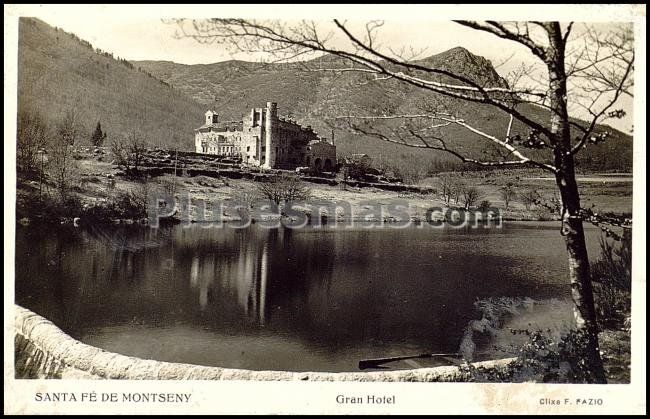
point(375, 363)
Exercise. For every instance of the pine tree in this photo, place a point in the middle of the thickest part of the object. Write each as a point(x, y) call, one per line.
point(98, 136)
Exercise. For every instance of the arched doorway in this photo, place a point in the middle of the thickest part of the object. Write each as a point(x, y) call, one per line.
point(318, 164)
point(328, 165)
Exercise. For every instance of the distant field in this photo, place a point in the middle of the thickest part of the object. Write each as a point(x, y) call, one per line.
point(605, 197)
point(605, 192)
point(597, 178)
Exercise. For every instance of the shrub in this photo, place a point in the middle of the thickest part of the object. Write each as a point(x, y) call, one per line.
point(507, 194)
point(32, 137)
point(245, 197)
point(284, 188)
point(612, 278)
point(484, 205)
point(542, 359)
point(446, 186)
point(469, 196)
point(529, 197)
point(129, 154)
point(131, 204)
point(411, 174)
point(358, 168)
point(48, 210)
point(99, 213)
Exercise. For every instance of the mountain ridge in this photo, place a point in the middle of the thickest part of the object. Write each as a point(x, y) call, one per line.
point(58, 71)
point(166, 101)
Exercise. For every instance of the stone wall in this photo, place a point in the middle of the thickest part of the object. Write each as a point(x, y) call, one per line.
point(42, 350)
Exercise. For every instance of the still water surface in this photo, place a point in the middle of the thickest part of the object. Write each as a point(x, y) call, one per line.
point(283, 299)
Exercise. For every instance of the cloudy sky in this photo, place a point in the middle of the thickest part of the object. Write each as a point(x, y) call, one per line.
point(139, 32)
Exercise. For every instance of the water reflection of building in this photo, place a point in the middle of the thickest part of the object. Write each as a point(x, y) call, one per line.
point(250, 282)
point(201, 277)
point(241, 278)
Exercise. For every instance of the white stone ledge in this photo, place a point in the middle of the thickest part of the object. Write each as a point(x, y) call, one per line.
point(66, 357)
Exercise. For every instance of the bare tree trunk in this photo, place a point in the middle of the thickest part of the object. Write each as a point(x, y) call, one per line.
point(579, 274)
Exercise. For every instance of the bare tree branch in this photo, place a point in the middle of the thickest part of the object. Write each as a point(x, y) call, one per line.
point(567, 32)
point(447, 120)
point(499, 30)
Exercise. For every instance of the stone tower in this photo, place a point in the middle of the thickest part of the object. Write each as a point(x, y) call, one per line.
point(269, 128)
point(211, 117)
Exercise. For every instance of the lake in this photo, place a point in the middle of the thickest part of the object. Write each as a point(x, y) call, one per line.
point(283, 299)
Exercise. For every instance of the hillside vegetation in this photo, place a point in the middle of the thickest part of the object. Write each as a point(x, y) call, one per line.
point(58, 71)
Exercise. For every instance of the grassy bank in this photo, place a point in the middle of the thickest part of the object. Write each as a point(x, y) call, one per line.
point(100, 191)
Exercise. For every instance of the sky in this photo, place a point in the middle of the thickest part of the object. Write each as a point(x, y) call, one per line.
point(140, 32)
point(136, 38)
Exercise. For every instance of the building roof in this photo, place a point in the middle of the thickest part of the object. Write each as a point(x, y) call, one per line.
point(222, 126)
point(321, 141)
point(292, 122)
